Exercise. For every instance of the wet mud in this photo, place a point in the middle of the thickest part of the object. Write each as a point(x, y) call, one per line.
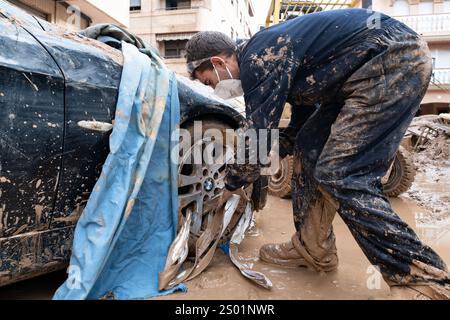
point(354, 279)
point(431, 187)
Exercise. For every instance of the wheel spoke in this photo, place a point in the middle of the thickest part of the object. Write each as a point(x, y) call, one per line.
point(198, 170)
point(185, 199)
point(197, 217)
point(227, 157)
point(185, 180)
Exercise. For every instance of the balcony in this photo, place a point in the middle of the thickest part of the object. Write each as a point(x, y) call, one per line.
point(432, 27)
point(179, 8)
point(180, 20)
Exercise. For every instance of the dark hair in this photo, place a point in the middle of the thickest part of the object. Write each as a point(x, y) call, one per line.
point(207, 44)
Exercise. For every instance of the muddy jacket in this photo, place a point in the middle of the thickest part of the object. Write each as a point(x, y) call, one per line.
point(303, 61)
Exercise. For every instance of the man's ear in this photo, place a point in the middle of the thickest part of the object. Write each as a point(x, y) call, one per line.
point(218, 62)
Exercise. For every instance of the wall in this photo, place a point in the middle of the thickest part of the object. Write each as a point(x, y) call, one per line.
point(55, 12)
point(93, 11)
point(227, 16)
point(215, 15)
point(441, 53)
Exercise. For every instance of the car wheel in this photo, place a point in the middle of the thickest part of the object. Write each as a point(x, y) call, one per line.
point(280, 182)
point(200, 184)
point(401, 175)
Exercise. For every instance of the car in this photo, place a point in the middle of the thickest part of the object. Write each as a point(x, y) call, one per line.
point(50, 80)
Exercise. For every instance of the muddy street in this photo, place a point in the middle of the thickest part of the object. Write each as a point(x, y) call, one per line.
point(355, 278)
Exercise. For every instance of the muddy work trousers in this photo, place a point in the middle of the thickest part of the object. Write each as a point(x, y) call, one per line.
point(344, 150)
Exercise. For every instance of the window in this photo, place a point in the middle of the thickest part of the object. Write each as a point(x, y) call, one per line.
point(174, 49)
point(135, 5)
point(178, 4)
point(30, 10)
point(441, 58)
point(400, 8)
point(426, 7)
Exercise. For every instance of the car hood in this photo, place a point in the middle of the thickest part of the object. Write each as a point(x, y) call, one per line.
point(195, 93)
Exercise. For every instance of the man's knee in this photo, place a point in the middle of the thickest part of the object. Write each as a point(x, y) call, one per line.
point(340, 184)
point(328, 177)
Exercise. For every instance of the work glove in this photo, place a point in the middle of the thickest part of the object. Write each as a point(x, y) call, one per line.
point(241, 175)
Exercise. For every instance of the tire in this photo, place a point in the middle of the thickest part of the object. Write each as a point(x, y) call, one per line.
point(184, 191)
point(280, 182)
point(402, 174)
point(400, 179)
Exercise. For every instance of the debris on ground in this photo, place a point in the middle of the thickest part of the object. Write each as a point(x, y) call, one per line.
point(430, 140)
point(207, 244)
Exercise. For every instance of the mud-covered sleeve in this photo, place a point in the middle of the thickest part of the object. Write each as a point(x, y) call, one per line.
point(267, 76)
point(267, 80)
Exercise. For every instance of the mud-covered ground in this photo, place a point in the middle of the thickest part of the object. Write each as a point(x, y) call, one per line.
point(355, 278)
point(432, 161)
point(432, 183)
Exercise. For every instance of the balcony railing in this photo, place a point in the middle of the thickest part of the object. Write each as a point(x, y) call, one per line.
point(423, 24)
point(179, 7)
point(441, 76)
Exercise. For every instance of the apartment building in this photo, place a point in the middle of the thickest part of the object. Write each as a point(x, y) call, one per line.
point(431, 19)
point(169, 24)
point(78, 14)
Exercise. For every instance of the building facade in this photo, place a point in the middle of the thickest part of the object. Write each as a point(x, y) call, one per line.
point(78, 14)
point(169, 24)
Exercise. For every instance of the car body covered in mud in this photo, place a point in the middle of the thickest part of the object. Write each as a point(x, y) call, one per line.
point(50, 80)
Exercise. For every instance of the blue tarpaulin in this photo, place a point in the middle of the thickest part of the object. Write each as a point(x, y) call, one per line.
point(123, 236)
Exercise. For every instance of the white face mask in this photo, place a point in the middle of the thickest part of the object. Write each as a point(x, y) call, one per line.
point(229, 88)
